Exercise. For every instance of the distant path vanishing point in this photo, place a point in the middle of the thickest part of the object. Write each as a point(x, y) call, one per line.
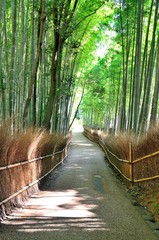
point(81, 200)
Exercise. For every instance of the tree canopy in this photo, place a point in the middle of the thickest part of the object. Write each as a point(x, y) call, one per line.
point(98, 59)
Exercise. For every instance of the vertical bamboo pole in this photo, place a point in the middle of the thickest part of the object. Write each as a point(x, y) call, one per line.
point(131, 165)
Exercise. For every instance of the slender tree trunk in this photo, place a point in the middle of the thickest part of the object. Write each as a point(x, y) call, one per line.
point(32, 86)
point(26, 57)
point(21, 59)
point(117, 103)
point(2, 84)
point(6, 62)
point(149, 74)
point(144, 66)
point(124, 81)
point(52, 93)
point(13, 54)
point(137, 67)
point(131, 89)
point(156, 89)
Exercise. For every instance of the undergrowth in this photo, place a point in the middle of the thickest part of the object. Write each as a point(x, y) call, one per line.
point(142, 145)
point(32, 143)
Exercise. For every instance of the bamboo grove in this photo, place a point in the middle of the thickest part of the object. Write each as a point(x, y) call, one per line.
point(125, 81)
point(97, 60)
point(42, 47)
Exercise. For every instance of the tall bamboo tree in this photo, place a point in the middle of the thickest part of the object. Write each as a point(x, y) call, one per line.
point(32, 85)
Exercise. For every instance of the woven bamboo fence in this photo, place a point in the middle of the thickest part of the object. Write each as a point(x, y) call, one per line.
point(20, 180)
point(139, 170)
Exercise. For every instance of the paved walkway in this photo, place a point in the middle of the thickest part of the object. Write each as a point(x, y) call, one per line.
point(81, 200)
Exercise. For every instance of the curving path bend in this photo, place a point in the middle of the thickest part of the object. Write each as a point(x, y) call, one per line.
point(81, 200)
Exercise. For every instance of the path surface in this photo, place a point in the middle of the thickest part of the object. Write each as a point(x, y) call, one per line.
point(82, 200)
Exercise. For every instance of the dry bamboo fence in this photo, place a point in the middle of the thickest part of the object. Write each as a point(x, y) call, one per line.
point(18, 180)
point(139, 170)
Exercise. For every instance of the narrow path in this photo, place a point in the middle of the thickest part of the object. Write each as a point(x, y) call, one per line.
point(82, 200)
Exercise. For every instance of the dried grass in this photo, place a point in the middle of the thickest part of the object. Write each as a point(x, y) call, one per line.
point(141, 146)
point(148, 143)
point(32, 144)
point(29, 145)
point(120, 144)
point(144, 145)
point(19, 145)
point(5, 139)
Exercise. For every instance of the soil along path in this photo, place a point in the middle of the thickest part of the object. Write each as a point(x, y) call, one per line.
point(81, 200)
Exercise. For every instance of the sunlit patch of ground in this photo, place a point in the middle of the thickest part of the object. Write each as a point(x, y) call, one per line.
point(57, 210)
point(57, 204)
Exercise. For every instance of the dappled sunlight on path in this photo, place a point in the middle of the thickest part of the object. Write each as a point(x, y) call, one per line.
point(57, 204)
point(57, 210)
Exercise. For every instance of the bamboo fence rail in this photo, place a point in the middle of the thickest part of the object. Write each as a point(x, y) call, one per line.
point(62, 155)
point(118, 161)
point(29, 161)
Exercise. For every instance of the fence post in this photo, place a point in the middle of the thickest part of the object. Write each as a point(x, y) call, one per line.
point(131, 165)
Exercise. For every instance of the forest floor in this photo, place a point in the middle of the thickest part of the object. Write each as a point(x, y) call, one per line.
point(149, 198)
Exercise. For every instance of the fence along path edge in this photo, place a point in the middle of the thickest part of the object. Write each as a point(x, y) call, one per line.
point(65, 150)
point(131, 162)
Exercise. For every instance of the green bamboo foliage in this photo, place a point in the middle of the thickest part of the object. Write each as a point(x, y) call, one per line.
point(48, 59)
point(39, 44)
point(131, 62)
